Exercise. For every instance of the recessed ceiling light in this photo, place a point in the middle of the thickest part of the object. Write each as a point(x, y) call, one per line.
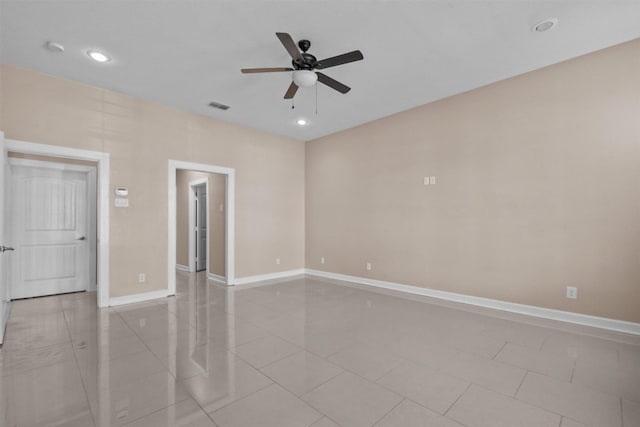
point(301, 122)
point(545, 25)
point(98, 56)
point(54, 47)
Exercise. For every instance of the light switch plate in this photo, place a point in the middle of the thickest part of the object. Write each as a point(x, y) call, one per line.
point(122, 203)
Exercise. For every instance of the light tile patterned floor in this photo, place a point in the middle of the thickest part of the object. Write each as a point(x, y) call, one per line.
point(307, 352)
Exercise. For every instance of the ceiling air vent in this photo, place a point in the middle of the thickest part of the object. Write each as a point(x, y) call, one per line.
point(218, 105)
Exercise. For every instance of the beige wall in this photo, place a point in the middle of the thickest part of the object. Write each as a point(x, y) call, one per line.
point(538, 188)
point(141, 137)
point(217, 231)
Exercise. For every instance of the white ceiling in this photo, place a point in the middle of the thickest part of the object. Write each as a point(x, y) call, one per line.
point(187, 53)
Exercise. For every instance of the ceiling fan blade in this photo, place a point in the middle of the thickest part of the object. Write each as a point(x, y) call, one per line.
point(345, 58)
point(293, 88)
point(333, 84)
point(291, 46)
point(264, 70)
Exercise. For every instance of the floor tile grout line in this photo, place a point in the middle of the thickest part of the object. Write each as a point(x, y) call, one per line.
point(315, 421)
point(446, 413)
point(75, 358)
point(143, 341)
point(149, 375)
point(389, 411)
point(149, 414)
point(533, 405)
point(499, 351)
point(441, 414)
point(333, 420)
point(621, 414)
point(238, 400)
point(544, 341)
point(315, 387)
point(521, 382)
point(190, 396)
point(573, 371)
point(523, 402)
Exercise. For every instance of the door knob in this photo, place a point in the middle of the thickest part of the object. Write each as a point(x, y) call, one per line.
point(81, 238)
point(4, 248)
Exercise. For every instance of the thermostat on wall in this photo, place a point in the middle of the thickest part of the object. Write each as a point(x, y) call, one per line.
point(122, 191)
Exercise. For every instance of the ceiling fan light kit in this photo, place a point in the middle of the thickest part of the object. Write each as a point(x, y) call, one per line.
point(304, 66)
point(305, 78)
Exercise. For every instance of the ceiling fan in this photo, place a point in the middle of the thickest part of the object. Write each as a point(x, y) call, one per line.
point(304, 66)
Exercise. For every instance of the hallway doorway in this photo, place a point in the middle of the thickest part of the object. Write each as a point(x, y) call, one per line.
point(201, 209)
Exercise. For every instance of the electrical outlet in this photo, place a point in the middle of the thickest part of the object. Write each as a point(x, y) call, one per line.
point(572, 292)
point(321, 260)
point(432, 180)
point(426, 180)
point(278, 261)
point(141, 278)
point(368, 266)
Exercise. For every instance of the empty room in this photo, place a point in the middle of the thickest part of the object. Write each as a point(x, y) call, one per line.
point(320, 213)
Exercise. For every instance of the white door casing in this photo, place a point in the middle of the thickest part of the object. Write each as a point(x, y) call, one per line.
point(53, 233)
point(103, 200)
point(4, 240)
point(174, 165)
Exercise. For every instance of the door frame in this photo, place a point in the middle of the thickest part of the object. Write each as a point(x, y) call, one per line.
point(91, 213)
point(192, 221)
point(230, 197)
point(5, 305)
point(103, 172)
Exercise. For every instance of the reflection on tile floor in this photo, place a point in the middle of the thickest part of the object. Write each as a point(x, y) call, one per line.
point(307, 352)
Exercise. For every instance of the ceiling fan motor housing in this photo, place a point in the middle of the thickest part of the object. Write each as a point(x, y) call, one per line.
point(304, 45)
point(308, 61)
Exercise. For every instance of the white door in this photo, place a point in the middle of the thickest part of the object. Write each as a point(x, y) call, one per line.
point(50, 228)
point(5, 245)
point(201, 227)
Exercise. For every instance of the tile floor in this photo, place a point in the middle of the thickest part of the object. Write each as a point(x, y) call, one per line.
point(307, 352)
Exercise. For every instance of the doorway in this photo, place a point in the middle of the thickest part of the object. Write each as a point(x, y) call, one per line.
point(102, 162)
point(220, 196)
point(53, 217)
point(198, 225)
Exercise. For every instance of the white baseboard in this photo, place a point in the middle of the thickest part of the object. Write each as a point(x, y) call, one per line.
point(268, 276)
point(529, 310)
point(182, 268)
point(145, 296)
point(217, 278)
